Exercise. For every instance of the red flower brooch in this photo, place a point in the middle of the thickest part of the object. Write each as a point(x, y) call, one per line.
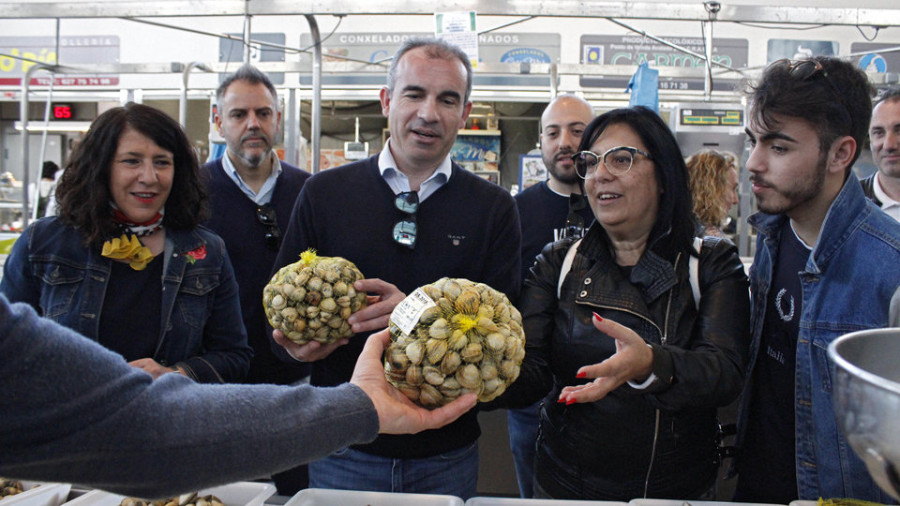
point(197, 254)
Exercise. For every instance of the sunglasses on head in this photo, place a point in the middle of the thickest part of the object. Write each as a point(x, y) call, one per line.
point(809, 69)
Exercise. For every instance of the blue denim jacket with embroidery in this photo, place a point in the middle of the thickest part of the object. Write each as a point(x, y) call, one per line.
point(200, 329)
point(847, 285)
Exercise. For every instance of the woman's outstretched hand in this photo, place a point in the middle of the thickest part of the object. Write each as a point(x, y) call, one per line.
point(633, 360)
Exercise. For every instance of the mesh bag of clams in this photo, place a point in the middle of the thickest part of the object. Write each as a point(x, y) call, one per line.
point(452, 337)
point(10, 487)
point(310, 300)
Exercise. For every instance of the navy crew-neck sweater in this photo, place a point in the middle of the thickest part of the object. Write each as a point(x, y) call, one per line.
point(233, 217)
point(543, 213)
point(469, 228)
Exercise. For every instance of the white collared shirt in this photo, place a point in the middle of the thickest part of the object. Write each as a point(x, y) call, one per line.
point(888, 205)
point(268, 188)
point(398, 181)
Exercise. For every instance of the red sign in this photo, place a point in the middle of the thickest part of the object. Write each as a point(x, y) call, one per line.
point(62, 111)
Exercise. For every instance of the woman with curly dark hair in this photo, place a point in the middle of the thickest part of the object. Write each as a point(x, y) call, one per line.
point(126, 262)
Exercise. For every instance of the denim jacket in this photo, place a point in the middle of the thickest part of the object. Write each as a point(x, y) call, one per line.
point(200, 329)
point(849, 279)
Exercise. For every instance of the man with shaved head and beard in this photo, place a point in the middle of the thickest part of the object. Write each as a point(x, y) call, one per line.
point(549, 211)
point(544, 207)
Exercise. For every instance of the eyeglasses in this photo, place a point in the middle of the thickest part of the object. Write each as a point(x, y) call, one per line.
point(617, 160)
point(574, 221)
point(809, 68)
point(265, 214)
point(405, 229)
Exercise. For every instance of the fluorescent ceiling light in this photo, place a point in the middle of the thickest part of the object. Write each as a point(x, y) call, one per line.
point(55, 126)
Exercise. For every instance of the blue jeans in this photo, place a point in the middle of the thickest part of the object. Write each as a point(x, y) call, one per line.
point(523, 424)
point(453, 473)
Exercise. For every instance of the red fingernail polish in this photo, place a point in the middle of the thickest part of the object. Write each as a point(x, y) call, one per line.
point(561, 400)
point(570, 401)
point(581, 375)
point(598, 317)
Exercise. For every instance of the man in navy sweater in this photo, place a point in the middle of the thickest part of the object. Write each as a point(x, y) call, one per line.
point(407, 217)
point(547, 216)
point(251, 194)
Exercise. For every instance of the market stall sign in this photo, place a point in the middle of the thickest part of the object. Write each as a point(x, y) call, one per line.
point(495, 47)
point(22, 53)
point(636, 49)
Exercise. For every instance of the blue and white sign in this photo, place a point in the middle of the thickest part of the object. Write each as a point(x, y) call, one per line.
point(794, 49)
point(872, 61)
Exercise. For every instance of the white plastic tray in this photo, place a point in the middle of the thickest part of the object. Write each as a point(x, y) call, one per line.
point(243, 493)
point(39, 494)
point(327, 497)
point(681, 502)
point(504, 501)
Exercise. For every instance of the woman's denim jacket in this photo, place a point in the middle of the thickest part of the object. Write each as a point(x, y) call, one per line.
point(201, 328)
point(847, 285)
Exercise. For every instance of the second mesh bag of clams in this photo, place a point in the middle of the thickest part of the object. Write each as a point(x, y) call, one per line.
point(311, 299)
point(452, 337)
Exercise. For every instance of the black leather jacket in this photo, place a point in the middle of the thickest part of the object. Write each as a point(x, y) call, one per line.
point(657, 442)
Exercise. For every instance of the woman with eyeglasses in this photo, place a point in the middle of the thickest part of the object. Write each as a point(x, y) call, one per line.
point(630, 369)
point(125, 262)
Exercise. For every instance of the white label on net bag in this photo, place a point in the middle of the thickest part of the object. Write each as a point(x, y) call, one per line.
point(407, 313)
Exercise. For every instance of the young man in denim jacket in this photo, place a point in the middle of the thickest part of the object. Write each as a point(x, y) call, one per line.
point(827, 263)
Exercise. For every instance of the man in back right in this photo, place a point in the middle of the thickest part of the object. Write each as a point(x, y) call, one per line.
point(827, 263)
point(883, 187)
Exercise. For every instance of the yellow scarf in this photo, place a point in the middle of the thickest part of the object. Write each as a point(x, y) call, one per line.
point(121, 248)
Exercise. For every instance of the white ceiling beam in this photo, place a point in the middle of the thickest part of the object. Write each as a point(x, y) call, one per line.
point(694, 11)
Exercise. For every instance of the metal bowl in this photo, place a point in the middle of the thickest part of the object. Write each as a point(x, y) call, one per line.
point(867, 400)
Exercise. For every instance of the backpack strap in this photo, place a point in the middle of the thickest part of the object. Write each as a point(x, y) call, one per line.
point(694, 271)
point(566, 266)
